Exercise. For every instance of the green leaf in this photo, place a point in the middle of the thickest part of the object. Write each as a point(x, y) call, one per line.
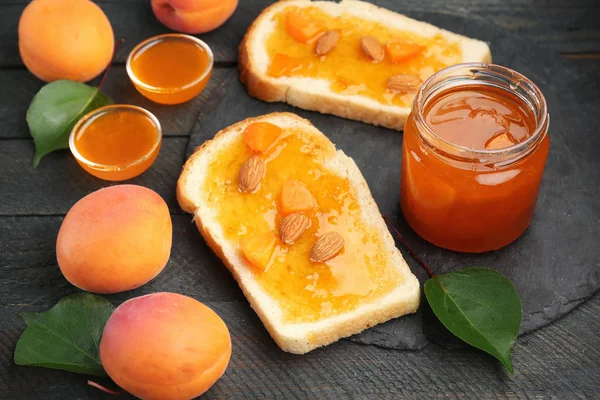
point(67, 336)
point(54, 111)
point(480, 306)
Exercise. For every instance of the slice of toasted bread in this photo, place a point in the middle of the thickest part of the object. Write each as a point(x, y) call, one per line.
point(305, 336)
point(316, 94)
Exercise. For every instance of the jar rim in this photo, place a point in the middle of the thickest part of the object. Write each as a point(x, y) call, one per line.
point(513, 79)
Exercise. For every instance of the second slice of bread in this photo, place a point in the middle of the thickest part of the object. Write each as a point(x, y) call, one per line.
point(315, 94)
point(296, 337)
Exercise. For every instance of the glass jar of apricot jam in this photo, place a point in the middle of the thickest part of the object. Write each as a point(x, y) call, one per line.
point(474, 149)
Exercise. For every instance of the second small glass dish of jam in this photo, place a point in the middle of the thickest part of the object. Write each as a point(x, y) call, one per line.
point(171, 68)
point(474, 150)
point(116, 142)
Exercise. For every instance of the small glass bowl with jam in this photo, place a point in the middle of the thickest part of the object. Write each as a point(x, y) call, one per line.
point(116, 142)
point(171, 68)
point(474, 150)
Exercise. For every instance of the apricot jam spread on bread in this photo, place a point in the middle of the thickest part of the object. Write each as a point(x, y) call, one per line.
point(297, 223)
point(357, 56)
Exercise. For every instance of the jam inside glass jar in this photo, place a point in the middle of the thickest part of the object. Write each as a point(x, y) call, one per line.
point(474, 150)
point(171, 68)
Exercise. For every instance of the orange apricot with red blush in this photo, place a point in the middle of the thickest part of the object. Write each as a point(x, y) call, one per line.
point(192, 16)
point(165, 346)
point(65, 39)
point(115, 239)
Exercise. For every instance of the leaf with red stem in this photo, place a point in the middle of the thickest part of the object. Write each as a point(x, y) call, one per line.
point(478, 305)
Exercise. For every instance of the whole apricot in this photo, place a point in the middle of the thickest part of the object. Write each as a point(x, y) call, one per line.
point(65, 39)
point(115, 239)
point(165, 346)
point(193, 16)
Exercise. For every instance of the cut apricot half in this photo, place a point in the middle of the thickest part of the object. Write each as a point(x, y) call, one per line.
point(295, 197)
point(260, 136)
point(399, 50)
point(258, 250)
point(302, 27)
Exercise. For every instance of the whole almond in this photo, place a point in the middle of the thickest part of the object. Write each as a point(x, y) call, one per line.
point(326, 42)
point(292, 227)
point(371, 48)
point(326, 247)
point(251, 173)
point(405, 83)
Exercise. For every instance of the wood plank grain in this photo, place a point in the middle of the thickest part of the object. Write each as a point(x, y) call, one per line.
point(561, 360)
point(558, 361)
point(29, 272)
point(582, 56)
point(561, 26)
point(58, 182)
point(176, 120)
point(134, 22)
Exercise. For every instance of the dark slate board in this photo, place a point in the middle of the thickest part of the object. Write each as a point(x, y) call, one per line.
point(555, 265)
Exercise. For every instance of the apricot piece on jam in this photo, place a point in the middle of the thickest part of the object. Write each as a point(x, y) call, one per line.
point(399, 50)
point(283, 65)
point(303, 28)
point(258, 249)
point(260, 136)
point(295, 197)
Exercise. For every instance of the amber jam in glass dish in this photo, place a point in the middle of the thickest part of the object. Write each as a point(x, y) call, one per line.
point(291, 51)
point(474, 150)
point(116, 142)
point(171, 68)
point(305, 291)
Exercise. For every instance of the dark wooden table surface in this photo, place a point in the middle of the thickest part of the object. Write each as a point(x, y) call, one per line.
point(560, 360)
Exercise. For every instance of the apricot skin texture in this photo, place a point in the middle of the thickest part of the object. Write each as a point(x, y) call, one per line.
point(165, 346)
point(192, 16)
point(115, 239)
point(65, 39)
